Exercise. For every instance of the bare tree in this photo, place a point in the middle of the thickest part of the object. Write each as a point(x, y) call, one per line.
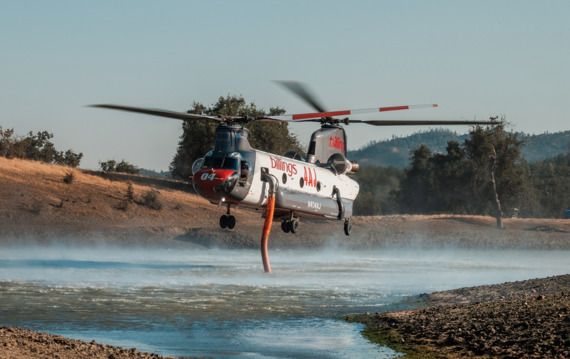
point(492, 169)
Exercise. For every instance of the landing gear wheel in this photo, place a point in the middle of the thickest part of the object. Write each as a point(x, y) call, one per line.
point(231, 221)
point(227, 221)
point(224, 221)
point(294, 225)
point(347, 226)
point(285, 226)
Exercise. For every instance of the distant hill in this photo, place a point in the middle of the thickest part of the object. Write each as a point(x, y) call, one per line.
point(396, 151)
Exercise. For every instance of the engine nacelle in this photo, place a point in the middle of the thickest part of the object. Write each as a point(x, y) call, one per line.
point(339, 164)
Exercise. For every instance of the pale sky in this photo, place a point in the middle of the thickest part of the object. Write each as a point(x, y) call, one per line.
point(473, 58)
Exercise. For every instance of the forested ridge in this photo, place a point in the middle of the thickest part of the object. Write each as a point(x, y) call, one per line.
point(458, 179)
point(395, 152)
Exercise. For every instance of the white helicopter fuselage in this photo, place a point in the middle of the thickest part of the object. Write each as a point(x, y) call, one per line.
point(301, 187)
point(236, 174)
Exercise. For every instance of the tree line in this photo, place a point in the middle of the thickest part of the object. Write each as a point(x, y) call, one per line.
point(459, 180)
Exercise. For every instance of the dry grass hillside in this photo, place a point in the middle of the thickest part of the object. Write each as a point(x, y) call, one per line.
point(37, 204)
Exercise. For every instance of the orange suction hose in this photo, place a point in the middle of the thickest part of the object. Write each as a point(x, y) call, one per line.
point(270, 210)
point(266, 230)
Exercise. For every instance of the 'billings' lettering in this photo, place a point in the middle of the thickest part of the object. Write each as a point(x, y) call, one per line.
point(284, 166)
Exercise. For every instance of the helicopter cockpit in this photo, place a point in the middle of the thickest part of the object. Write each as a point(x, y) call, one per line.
point(222, 160)
point(218, 174)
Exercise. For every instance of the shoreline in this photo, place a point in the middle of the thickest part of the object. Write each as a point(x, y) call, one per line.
point(22, 343)
point(529, 318)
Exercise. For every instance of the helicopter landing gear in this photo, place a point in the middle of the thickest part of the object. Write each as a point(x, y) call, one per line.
point(290, 225)
point(347, 226)
point(228, 220)
point(285, 226)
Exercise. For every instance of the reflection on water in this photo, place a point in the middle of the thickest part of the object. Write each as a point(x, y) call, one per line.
point(218, 302)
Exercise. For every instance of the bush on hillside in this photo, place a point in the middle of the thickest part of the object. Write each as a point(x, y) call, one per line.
point(122, 167)
point(36, 146)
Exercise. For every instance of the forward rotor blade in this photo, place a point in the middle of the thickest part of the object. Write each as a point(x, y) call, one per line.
point(298, 117)
point(304, 93)
point(423, 122)
point(158, 112)
point(283, 118)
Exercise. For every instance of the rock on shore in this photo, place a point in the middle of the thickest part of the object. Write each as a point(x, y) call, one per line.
point(528, 319)
point(18, 343)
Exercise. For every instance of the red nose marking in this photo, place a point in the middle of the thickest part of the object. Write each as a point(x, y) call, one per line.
point(206, 180)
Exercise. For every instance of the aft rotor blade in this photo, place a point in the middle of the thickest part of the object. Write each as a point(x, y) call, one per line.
point(423, 122)
point(304, 93)
point(299, 117)
point(158, 112)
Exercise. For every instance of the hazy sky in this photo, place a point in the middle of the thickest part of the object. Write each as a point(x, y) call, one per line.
point(473, 58)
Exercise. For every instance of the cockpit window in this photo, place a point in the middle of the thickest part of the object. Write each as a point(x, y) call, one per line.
point(224, 141)
point(223, 162)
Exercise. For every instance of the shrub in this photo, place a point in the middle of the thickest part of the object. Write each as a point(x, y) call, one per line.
point(114, 166)
point(108, 166)
point(130, 192)
point(126, 167)
point(151, 200)
point(123, 205)
point(69, 177)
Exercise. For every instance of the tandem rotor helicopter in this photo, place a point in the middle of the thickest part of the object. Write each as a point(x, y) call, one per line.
point(288, 186)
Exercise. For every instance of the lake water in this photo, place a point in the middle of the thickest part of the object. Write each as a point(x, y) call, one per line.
point(219, 303)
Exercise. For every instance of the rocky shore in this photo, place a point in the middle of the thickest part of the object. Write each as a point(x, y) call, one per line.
point(17, 343)
point(529, 319)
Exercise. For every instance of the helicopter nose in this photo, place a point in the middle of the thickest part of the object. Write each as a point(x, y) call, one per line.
point(213, 183)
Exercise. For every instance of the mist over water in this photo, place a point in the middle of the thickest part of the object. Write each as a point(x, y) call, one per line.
point(216, 302)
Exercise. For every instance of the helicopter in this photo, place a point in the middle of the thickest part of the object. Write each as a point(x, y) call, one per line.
point(317, 184)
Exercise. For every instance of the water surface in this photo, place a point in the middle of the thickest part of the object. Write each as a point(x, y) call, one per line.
point(192, 302)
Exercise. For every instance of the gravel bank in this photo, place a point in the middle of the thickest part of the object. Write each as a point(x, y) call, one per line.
point(17, 343)
point(529, 319)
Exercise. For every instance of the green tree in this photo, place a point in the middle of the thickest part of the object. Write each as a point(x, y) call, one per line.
point(198, 136)
point(68, 158)
point(451, 173)
point(415, 195)
point(509, 168)
point(36, 146)
point(459, 181)
point(7, 141)
point(550, 182)
point(378, 187)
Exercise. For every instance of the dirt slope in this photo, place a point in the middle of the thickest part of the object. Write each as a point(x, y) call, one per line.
point(35, 203)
